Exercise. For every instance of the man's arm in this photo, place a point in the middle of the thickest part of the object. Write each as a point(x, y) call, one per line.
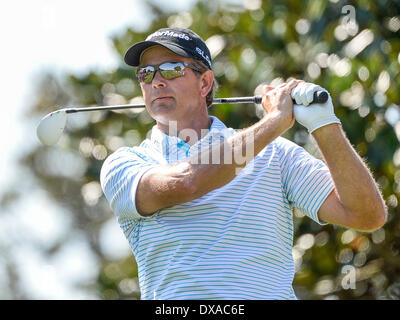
point(356, 201)
point(164, 186)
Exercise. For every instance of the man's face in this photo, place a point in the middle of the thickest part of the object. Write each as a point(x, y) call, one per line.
point(175, 99)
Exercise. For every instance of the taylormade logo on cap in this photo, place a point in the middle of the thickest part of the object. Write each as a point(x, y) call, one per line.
point(181, 41)
point(168, 34)
point(174, 34)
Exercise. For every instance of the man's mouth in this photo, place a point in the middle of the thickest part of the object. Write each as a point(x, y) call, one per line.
point(161, 98)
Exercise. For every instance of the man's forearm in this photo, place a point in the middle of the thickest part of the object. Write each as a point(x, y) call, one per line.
point(193, 177)
point(354, 183)
point(234, 154)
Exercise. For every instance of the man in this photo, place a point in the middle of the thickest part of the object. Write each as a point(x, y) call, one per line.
point(203, 223)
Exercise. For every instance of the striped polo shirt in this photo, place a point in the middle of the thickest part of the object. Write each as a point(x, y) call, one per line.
point(234, 242)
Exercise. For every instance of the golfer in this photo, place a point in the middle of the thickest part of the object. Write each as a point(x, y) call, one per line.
point(207, 209)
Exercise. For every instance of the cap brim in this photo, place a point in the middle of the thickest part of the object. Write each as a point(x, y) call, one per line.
point(132, 56)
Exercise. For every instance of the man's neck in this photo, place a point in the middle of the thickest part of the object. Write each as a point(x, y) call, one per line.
point(190, 130)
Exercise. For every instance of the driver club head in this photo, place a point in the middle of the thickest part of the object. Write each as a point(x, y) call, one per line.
point(51, 127)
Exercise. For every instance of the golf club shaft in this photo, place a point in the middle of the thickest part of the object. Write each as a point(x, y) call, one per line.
point(255, 99)
point(319, 97)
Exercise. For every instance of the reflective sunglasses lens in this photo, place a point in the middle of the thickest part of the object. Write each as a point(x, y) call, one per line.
point(171, 70)
point(145, 74)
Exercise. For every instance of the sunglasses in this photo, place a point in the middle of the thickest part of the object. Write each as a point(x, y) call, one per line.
point(168, 70)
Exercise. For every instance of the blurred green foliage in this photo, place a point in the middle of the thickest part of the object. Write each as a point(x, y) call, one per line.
point(356, 58)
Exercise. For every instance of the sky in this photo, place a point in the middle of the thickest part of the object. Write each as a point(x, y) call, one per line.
point(54, 36)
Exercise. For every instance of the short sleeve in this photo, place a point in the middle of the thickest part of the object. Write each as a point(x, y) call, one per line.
point(306, 180)
point(120, 176)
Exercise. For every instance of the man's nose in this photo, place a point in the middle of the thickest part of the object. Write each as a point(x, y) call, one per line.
point(158, 80)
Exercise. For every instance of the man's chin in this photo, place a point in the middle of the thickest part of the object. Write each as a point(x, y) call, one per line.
point(163, 113)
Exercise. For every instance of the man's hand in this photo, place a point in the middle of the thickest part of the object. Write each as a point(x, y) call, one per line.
point(316, 115)
point(278, 100)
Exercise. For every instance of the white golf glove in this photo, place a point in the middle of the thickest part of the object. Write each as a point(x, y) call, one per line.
point(312, 116)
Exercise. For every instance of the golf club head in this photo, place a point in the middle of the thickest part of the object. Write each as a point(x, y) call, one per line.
point(51, 127)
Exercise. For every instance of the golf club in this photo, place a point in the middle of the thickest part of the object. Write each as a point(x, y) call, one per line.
point(51, 126)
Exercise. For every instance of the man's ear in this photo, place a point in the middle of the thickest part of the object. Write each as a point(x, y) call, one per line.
point(206, 82)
